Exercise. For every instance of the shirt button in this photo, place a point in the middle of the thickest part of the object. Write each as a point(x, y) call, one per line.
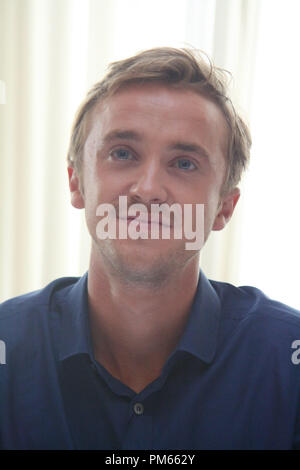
point(138, 408)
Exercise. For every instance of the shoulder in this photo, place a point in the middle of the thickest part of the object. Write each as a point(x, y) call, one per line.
point(247, 307)
point(263, 333)
point(23, 304)
point(29, 313)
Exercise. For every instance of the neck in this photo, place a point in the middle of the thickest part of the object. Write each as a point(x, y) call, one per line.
point(135, 327)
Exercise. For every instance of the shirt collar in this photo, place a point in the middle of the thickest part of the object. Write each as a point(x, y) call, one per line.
point(75, 338)
point(199, 337)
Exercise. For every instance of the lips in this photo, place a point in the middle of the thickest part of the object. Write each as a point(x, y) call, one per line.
point(145, 219)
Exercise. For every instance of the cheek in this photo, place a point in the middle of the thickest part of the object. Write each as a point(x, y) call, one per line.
point(210, 213)
point(100, 190)
point(208, 196)
point(92, 182)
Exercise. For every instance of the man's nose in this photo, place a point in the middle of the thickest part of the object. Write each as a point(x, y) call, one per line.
point(149, 184)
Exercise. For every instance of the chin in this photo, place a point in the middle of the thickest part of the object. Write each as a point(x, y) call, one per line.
point(145, 262)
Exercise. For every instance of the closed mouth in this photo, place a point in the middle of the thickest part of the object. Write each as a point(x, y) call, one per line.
point(145, 219)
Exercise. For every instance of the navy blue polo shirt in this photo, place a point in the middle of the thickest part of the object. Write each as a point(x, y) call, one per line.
point(232, 382)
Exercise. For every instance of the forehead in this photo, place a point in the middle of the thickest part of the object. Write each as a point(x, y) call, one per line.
point(160, 112)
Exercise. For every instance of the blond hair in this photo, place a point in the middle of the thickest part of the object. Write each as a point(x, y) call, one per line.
point(177, 68)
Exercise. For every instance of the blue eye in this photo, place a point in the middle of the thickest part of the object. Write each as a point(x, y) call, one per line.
point(122, 154)
point(185, 164)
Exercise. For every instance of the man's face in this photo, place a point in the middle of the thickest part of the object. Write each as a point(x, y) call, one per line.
point(153, 144)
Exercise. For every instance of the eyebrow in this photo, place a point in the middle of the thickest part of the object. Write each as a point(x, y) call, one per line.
point(119, 134)
point(190, 147)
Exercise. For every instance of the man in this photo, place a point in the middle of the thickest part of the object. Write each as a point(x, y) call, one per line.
point(143, 351)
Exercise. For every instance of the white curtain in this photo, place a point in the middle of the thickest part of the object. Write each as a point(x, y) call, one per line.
point(51, 52)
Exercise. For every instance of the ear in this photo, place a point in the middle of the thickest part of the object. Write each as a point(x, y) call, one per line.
point(226, 208)
point(76, 196)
